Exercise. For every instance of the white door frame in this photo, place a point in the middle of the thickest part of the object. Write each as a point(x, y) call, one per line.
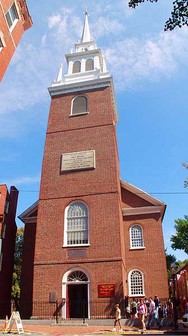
point(64, 289)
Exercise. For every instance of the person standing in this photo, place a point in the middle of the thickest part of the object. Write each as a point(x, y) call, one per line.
point(153, 314)
point(133, 309)
point(142, 311)
point(117, 318)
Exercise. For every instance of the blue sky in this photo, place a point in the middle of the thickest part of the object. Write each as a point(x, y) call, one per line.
point(150, 71)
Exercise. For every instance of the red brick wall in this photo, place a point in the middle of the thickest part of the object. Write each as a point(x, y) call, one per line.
point(11, 37)
point(8, 244)
point(99, 188)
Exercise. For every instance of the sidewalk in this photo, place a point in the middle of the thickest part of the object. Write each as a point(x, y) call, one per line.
point(57, 330)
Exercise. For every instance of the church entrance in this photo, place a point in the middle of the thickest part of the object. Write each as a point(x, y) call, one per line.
point(77, 301)
point(75, 294)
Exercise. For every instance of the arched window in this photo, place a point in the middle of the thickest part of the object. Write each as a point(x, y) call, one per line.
point(76, 224)
point(136, 236)
point(79, 105)
point(76, 276)
point(89, 64)
point(76, 67)
point(136, 283)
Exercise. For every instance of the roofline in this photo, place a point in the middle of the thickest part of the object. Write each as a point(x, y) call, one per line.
point(147, 197)
point(25, 215)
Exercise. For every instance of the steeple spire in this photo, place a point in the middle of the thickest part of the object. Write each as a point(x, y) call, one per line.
point(86, 31)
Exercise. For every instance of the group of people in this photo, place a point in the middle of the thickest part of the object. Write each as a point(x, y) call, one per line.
point(141, 309)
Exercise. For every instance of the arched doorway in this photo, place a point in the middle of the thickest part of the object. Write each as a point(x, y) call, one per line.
point(75, 294)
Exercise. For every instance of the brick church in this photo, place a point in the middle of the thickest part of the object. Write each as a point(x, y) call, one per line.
point(91, 238)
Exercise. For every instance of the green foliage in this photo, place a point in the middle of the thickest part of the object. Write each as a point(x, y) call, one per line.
point(180, 240)
point(184, 164)
point(17, 264)
point(179, 14)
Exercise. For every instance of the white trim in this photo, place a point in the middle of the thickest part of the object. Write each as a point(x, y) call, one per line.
point(64, 288)
point(142, 237)
point(65, 225)
point(142, 210)
point(72, 104)
point(129, 283)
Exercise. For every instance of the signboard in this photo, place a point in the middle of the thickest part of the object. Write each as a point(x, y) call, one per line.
point(78, 161)
point(106, 290)
point(15, 318)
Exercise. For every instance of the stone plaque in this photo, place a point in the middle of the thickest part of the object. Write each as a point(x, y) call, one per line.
point(76, 253)
point(78, 161)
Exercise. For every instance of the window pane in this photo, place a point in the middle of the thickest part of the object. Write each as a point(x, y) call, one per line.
point(76, 67)
point(77, 224)
point(8, 18)
point(89, 64)
point(79, 105)
point(136, 236)
point(136, 283)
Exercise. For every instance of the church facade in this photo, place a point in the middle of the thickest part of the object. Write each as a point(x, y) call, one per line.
point(91, 239)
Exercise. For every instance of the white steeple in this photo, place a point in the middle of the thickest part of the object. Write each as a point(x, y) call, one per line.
point(85, 63)
point(86, 32)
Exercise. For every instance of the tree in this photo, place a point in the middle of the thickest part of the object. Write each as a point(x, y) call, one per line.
point(180, 240)
point(179, 14)
point(17, 264)
point(184, 164)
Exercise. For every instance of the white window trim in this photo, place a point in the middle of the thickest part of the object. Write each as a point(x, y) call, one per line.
point(129, 284)
point(2, 41)
point(65, 226)
point(136, 247)
point(72, 102)
point(15, 21)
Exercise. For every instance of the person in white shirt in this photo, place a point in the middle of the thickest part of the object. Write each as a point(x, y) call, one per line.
point(153, 314)
point(117, 318)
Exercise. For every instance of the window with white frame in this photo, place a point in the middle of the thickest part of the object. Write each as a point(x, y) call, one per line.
point(89, 64)
point(12, 15)
point(136, 236)
point(136, 283)
point(76, 67)
point(76, 224)
point(2, 42)
point(79, 105)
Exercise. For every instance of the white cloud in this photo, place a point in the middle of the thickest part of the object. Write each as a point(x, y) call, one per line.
point(130, 60)
point(53, 20)
point(154, 58)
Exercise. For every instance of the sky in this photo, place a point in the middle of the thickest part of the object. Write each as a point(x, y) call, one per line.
point(150, 73)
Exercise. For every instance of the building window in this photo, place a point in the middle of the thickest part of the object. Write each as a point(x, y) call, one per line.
point(136, 236)
point(89, 64)
point(12, 15)
point(76, 67)
point(2, 42)
point(79, 105)
point(136, 283)
point(76, 224)
point(76, 276)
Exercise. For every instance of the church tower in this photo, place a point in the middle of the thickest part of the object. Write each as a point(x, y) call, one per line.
point(88, 238)
point(79, 224)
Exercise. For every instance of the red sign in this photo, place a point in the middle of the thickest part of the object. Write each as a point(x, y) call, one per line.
point(106, 290)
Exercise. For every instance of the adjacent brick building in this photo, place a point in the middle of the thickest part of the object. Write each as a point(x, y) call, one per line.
point(97, 238)
point(14, 20)
point(8, 228)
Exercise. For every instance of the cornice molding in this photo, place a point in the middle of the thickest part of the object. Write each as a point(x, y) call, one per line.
point(142, 210)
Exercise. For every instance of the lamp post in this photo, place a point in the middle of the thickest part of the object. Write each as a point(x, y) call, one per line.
point(173, 269)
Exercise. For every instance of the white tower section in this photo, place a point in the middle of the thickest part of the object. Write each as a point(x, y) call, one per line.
point(85, 63)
